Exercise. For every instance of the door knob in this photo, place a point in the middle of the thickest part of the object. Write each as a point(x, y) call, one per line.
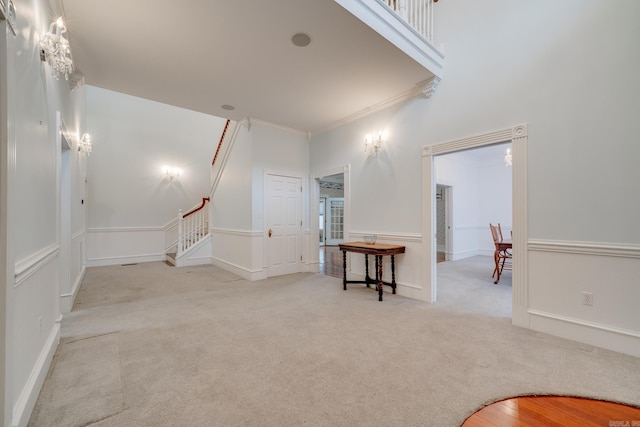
point(270, 233)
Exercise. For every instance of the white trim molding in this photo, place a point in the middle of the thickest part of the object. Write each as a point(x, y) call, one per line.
point(396, 237)
point(124, 229)
point(29, 265)
point(592, 333)
point(585, 248)
point(429, 88)
point(237, 232)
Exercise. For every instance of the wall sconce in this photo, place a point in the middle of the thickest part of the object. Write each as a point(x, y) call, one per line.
point(373, 143)
point(55, 49)
point(508, 158)
point(172, 173)
point(84, 146)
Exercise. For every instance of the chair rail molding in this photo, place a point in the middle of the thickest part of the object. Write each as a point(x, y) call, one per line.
point(585, 248)
point(34, 262)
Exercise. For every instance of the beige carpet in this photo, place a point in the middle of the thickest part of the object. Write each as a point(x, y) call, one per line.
point(152, 345)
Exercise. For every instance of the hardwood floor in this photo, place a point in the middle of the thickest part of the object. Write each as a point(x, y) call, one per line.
point(552, 411)
point(331, 261)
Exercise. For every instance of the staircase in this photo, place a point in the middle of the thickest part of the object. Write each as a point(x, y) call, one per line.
point(187, 238)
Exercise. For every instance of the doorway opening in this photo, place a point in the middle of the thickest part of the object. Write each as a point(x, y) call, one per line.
point(482, 196)
point(518, 137)
point(331, 209)
point(443, 222)
point(331, 213)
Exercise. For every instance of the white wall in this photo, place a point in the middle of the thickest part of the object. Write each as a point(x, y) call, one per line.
point(43, 257)
point(536, 63)
point(481, 195)
point(238, 203)
point(131, 200)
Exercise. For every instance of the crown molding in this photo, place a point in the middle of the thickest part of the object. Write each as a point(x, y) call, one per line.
point(424, 87)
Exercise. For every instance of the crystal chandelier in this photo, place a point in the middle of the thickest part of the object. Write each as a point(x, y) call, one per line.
point(55, 49)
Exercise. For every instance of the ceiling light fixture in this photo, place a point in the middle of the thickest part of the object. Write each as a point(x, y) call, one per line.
point(55, 49)
point(301, 39)
point(228, 107)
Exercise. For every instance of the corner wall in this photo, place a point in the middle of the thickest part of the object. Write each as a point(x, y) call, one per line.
point(44, 231)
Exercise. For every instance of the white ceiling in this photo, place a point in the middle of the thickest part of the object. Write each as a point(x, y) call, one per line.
point(201, 54)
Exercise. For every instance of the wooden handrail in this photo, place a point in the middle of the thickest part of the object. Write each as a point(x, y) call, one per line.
point(194, 210)
point(224, 131)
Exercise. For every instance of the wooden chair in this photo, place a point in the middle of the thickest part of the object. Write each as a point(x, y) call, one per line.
point(502, 256)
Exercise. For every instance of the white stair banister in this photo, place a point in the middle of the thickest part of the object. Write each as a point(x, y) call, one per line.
point(192, 226)
point(180, 234)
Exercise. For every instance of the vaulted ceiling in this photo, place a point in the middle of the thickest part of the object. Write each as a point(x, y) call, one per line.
point(203, 54)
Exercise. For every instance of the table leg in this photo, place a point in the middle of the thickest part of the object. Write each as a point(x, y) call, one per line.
point(379, 277)
point(393, 273)
point(344, 270)
point(366, 267)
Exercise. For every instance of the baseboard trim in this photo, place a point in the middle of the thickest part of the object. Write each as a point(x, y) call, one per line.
point(245, 273)
point(190, 262)
point(26, 402)
point(74, 291)
point(592, 333)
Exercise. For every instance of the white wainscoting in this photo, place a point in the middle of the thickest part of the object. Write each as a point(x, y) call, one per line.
point(472, 240)
point(198, 254)
point(35, 309)
point(124, 245)
point(76, 272)
point(240, 252)
point(561, 271)
point(408, 265)
point(34, 262)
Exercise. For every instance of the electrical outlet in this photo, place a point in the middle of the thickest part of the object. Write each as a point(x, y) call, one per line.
point(587, 298)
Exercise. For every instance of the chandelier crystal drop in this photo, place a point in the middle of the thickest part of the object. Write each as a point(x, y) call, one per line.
point(84, 147)
point(55, 49)
point(508, 158)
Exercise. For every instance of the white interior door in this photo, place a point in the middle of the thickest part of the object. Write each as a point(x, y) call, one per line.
point(334, 219)
point(284, 224)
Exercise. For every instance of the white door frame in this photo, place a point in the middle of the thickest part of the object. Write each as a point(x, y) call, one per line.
point(518, 136)
point(323, 200)
point(63, 178)
point(314, 196)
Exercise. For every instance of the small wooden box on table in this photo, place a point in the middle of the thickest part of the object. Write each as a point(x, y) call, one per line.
point(378, 250)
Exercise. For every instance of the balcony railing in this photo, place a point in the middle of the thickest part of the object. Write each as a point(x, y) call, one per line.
point(417, 13)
